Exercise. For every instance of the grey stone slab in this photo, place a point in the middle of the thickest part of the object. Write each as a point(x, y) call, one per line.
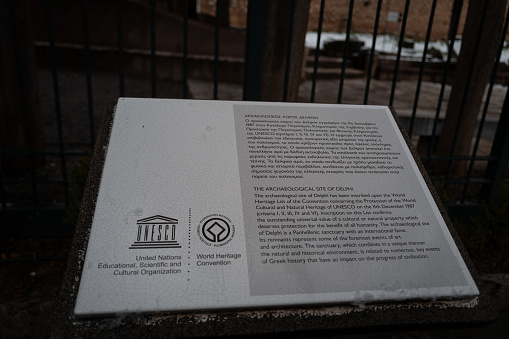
point(264, 317)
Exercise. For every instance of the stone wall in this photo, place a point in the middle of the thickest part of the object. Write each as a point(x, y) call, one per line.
point(238, 11)
point(336, 14)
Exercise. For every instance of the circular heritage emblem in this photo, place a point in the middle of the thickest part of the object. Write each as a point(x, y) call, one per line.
point(216, 230)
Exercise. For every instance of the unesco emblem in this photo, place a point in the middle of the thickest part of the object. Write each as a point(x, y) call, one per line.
point(216, 230)
point(155, 232)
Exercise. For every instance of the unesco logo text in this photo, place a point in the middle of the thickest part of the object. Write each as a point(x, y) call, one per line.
point(155, 232)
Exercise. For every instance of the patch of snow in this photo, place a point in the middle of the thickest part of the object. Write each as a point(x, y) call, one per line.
point(388, 44)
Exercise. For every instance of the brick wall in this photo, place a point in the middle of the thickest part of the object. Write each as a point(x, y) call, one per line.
point(336, 13)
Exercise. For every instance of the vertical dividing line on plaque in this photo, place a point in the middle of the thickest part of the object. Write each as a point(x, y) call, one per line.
point(189, 245)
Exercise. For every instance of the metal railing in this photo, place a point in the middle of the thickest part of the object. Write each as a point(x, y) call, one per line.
point(28, 208)
point(493, 178)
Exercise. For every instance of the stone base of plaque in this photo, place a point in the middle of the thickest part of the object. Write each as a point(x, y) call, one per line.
point(297, 322)
point(310, 320)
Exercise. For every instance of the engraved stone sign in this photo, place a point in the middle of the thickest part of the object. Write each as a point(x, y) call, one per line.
point(215, 205)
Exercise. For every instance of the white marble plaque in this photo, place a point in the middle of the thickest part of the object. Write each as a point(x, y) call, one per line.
point(215, 205)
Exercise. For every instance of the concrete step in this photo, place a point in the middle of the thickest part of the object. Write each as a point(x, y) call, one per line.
point(324, 61)
point(333, 73)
